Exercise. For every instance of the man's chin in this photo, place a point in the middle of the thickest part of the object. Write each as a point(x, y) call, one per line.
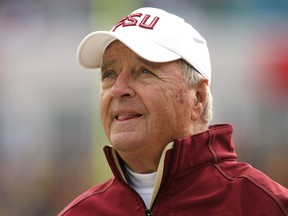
point(126, 141)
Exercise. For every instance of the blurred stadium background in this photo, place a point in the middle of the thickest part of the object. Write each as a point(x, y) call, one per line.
point(50, 136)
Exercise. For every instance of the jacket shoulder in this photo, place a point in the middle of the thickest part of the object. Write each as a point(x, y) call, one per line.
point(261, 182)
point(98, 189)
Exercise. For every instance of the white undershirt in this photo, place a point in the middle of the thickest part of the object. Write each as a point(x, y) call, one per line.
point(142, 183)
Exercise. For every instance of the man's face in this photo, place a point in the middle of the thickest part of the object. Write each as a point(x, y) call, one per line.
point(144, 105)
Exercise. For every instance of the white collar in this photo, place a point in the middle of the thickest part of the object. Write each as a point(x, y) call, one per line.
point(142, 183)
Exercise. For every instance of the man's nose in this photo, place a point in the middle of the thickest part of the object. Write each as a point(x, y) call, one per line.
point(122, 86)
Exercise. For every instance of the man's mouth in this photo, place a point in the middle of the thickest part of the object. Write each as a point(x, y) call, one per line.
point(127, 116)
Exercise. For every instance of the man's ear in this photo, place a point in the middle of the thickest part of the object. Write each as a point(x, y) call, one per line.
point(200, 101)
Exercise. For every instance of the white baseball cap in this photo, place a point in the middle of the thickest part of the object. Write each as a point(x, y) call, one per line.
point(154, 35)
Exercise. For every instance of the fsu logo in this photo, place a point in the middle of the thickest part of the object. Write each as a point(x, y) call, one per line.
point(143, 21)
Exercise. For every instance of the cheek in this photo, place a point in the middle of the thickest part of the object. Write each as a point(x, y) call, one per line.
point(163, 108)
point(104, 110)
point(183, 108)
point(184, 95)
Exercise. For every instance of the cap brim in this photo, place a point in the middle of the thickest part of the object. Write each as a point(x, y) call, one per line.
point(92, 47)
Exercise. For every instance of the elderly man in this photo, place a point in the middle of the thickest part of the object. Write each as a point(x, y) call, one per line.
point(155, 108)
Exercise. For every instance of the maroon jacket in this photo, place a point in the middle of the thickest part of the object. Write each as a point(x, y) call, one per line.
point(200, 176)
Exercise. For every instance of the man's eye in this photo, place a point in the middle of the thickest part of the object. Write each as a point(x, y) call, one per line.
point(146, 71)
point(107, 74)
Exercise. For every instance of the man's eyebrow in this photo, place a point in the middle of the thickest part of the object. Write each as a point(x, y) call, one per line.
point(107, 64)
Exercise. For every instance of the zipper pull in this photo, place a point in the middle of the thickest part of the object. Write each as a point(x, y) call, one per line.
point(148, 212)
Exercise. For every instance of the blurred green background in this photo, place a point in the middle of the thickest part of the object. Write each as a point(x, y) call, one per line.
point(51, 138)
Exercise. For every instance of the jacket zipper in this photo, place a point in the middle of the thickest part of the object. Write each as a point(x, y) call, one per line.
point(111, 160)
point(148, 212)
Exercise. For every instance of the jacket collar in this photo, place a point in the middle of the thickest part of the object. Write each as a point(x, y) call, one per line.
point(202, 149)
point(205, 148)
